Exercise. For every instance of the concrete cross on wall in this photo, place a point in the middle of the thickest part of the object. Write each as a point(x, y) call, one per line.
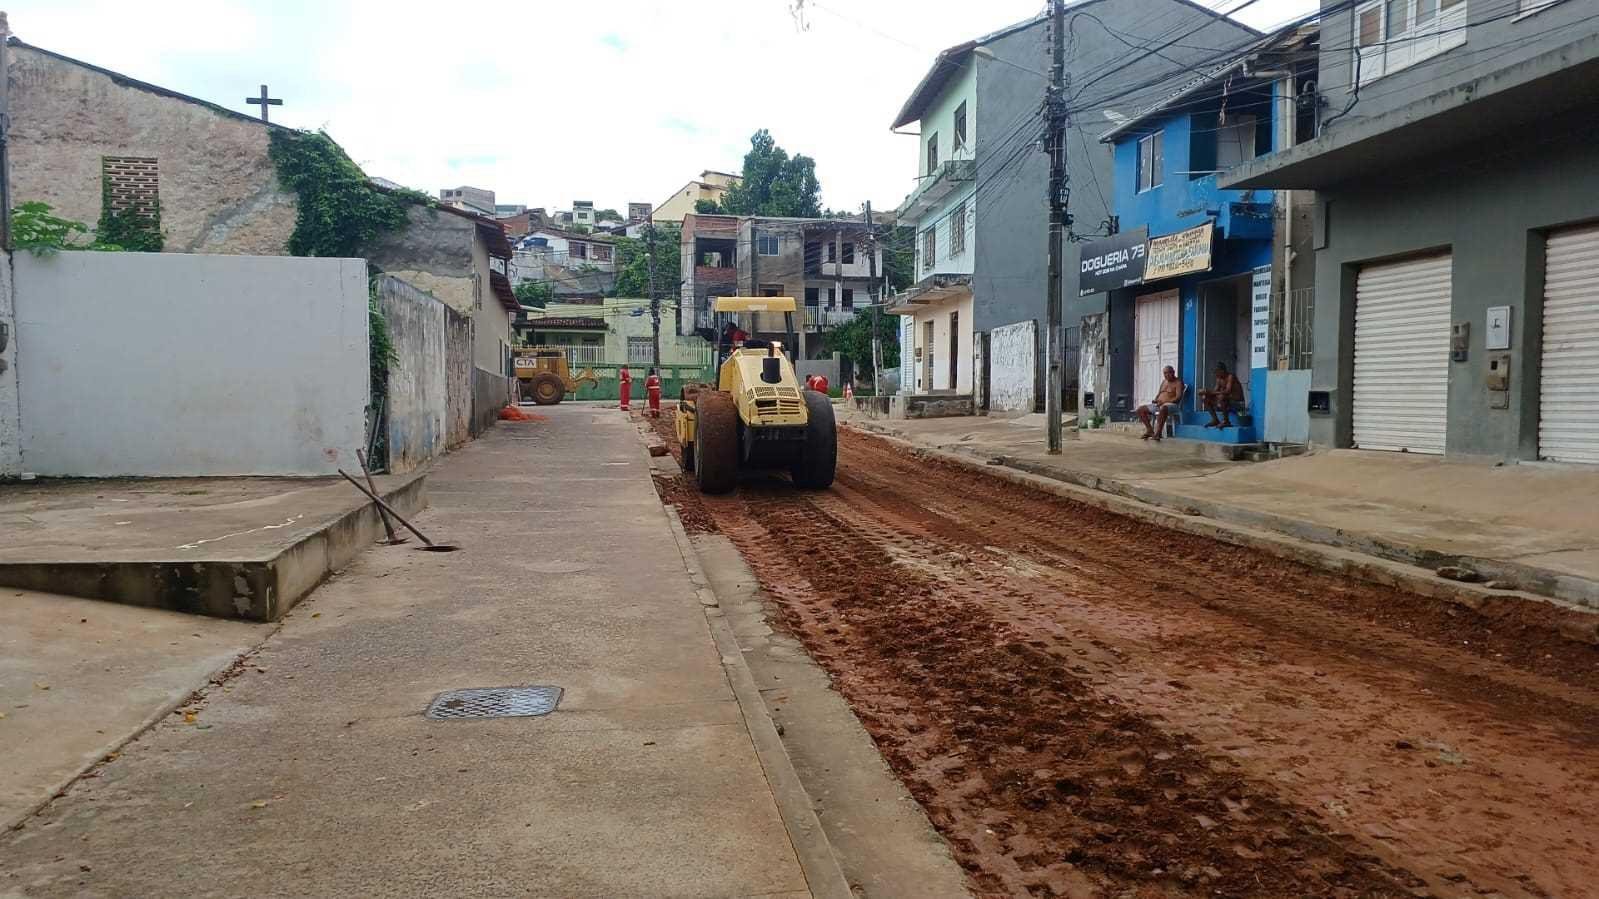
point(263, 101)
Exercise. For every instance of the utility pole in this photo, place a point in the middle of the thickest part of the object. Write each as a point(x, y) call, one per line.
point(1055, 142)
point(876, 301)
point(655, 300)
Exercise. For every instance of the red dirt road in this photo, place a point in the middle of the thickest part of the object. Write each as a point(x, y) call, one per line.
point(1089, 705)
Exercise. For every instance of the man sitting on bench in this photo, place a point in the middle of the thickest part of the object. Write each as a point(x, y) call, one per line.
point(1165, 404)
point(1229, 393)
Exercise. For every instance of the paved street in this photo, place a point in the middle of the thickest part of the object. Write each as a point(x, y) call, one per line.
point(312, 771)
point(1089, 704)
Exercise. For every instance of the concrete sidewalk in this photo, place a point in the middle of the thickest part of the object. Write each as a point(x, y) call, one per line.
point(314, 773)
point(1532, 526)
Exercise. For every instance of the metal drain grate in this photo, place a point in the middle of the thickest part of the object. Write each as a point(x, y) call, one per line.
point(494, 702)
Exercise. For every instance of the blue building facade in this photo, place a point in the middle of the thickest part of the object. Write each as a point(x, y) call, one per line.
point(1201, 294)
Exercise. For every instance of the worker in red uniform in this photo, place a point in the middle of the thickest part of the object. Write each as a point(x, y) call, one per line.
point(652, 388)
point(627, 386)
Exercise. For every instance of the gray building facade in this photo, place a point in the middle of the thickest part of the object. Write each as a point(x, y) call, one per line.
point(1008, 271)
point(1456, 228)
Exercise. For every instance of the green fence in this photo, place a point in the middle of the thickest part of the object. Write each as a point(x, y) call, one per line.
point(673, 377)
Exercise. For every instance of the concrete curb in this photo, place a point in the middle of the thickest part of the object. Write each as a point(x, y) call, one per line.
point(823, 874)
point(1346, 562)
point(1531, 581)
point(250, 588)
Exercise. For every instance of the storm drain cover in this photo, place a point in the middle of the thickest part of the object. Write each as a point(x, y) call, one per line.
point(494, 702)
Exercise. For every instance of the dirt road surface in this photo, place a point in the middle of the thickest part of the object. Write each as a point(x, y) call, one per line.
point(1090, 705)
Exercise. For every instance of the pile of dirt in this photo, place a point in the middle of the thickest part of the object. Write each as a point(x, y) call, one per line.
point(512, 413)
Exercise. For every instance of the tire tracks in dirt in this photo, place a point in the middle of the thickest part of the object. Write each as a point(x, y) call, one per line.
point(1089, 704)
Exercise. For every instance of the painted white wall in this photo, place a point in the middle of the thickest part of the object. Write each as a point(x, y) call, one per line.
point(10, 410)
point(165, 364)
point(940, 220)
point(938, 314)
point(1013, 367)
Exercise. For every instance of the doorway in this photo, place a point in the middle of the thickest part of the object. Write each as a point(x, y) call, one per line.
point(1224, 334)
point(1157, 325)
point(954, 350)
point(927, 356)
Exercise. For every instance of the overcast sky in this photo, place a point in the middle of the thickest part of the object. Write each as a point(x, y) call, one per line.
point(545, 102)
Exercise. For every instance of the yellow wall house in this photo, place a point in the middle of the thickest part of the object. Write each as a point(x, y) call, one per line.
point(625, 339)
point(711, 185)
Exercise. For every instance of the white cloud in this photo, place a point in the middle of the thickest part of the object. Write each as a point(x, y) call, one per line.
point(544, 102)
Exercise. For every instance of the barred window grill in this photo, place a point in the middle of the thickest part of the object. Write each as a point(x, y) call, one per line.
point(1292, 329)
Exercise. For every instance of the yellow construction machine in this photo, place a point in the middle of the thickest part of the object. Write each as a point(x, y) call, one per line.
point(542, 375)
point(756, 415)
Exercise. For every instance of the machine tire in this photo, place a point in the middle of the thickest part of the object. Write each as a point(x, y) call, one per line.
point(548, 389)
point(819, 459)
point(715, 442)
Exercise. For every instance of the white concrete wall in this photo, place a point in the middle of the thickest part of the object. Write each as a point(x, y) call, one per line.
point(418, 400)
point(938, 314)
point(941, 220)
point(10, 410)
point(163, 364)
point(1013, 367)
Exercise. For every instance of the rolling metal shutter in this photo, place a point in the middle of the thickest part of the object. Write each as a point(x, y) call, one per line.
point(1401, 394)
point(1568, 414)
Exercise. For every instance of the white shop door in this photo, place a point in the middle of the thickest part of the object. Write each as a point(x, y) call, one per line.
point(1402, 355)
point(1158, 321)
point(1568, 414)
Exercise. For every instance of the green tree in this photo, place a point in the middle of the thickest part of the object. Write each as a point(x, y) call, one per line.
point(608, 214)
point(899, 257)
point(708, 207)
point(774, 183)
point(854, 341)
point(633, 263)
point(36, 228)
point(537, 294)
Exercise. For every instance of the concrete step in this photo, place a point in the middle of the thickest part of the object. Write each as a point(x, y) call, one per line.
point(259, 581)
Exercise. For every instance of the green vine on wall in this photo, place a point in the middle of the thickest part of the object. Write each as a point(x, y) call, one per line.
point(132, 229)
point(342, 213)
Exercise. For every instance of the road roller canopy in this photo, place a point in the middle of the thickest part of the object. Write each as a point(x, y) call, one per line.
point(755, 304)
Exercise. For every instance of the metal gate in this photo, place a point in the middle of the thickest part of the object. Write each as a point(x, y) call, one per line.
point(1568, 416)
point(1401, 394)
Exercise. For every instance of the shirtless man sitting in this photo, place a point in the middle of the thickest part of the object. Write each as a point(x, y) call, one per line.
point(1229, 392)
point(1165, 404)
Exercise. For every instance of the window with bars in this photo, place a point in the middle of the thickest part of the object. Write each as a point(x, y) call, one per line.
point(957, 230)
point(960, 128)
point(577, 250)
point(602, 253)
point(640, 351)
point(849, 254)
point(929, 248)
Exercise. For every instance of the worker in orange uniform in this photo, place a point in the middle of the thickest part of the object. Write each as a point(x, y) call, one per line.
point(652, 388)
point(627, 387)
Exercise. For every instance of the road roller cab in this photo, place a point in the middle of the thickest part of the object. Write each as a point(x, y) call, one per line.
point(756, 415)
